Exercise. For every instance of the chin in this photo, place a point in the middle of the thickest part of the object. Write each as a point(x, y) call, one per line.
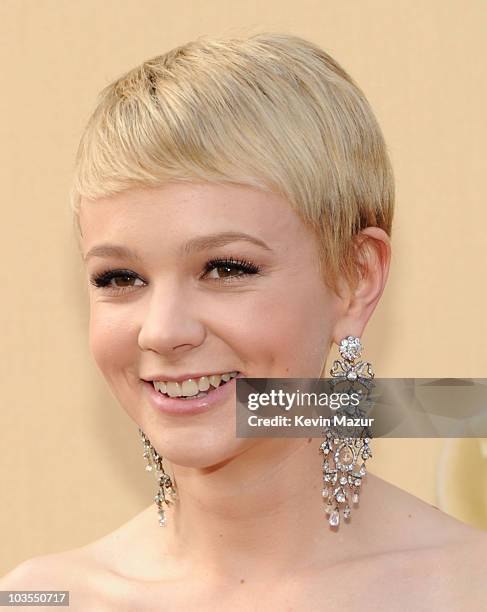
point(200, 452)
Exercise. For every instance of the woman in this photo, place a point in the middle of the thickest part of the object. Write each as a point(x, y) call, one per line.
point(234, 203)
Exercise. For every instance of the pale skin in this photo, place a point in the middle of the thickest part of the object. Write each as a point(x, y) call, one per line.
point(249, 531)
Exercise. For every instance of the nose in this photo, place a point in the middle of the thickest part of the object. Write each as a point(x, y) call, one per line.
point(170, 323)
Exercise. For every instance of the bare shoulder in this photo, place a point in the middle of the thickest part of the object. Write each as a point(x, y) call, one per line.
point(97, 575)
point(452, 569)
point(88, 587)
point(449, 576)
point(454, 572)
point(42, 572)
point(467, 562)
point(427, 557)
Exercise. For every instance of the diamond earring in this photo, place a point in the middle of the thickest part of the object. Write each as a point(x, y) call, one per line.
point(167, 491)
point(343, 479)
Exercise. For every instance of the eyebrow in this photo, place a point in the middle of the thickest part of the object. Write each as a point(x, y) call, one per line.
point(195, 245)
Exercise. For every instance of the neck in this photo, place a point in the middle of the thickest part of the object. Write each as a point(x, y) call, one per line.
point(261, 508)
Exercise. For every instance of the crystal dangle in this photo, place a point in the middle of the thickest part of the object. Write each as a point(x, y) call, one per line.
point(343, 477)
point(167, 492)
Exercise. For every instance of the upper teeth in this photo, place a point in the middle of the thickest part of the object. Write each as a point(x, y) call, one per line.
point(192, 386)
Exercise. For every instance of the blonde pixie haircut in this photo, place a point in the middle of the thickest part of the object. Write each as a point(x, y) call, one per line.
point(272, 111)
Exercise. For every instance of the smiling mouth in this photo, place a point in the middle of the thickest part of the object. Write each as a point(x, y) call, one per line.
point(192, 388)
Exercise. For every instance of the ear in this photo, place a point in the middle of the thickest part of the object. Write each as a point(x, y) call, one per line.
point(374, 253)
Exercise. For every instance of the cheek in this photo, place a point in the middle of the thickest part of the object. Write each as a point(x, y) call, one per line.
point(111, 338)
point(281, 333)
point(298, 333)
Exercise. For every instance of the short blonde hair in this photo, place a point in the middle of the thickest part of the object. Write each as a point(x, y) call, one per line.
point(272, 111)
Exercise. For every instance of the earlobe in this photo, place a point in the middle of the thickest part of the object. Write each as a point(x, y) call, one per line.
point(373, 256)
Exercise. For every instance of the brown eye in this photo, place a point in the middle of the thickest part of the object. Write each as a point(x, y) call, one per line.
point(126, 280)
point(116, 280)
point(226, 271)
point(221, 269)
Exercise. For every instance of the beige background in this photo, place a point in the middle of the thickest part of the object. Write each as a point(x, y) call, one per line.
point(71, 462)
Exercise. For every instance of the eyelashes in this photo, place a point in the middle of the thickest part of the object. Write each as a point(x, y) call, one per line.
point(236, 268)
point(103, 279)
point(242, 265)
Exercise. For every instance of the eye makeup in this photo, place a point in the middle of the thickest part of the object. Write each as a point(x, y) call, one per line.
point(235, 268)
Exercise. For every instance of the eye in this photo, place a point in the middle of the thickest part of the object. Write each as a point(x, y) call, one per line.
point(227, 269)
point(122, 279)
point(223, 270)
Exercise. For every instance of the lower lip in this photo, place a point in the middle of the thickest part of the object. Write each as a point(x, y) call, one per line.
point(174, 405)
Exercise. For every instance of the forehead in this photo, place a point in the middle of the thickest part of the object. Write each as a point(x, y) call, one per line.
point(176, 211)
